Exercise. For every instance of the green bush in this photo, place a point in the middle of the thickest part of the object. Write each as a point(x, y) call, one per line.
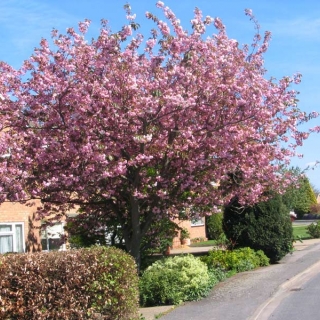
point(264, 260)
point(240, 260)
point(265, 226)
point(314, 230)
point(214, 226)
point(219, 273)
point(174, 280)
point(184, 234)
point(77, 284)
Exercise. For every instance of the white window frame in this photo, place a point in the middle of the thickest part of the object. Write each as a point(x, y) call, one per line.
point(46, 234)
point(12, 233)
point(197, 222)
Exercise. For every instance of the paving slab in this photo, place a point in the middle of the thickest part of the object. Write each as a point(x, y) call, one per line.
point(305, 243)
point(153, 312)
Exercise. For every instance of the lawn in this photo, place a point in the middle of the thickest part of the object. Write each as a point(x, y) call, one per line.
point(204, 243)
point(300, 232)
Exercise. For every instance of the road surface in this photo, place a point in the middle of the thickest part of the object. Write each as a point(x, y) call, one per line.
point(301, 301)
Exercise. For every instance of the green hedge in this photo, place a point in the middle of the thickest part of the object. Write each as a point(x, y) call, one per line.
point(94, 283)
point(239, 260)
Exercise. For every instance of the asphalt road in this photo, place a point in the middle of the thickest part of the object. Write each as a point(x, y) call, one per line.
point(301, 302)
point(288, 290)
point(303, 222)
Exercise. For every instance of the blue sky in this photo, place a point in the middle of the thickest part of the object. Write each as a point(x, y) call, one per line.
point(295, 45)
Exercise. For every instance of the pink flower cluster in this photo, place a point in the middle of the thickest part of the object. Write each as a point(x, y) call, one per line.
point(99, 123)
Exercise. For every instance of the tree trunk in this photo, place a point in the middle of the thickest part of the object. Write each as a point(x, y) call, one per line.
point(133, 248)
point(133, 239)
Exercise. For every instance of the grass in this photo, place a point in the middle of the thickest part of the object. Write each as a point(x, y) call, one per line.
point(204, 243)
point(300, 232)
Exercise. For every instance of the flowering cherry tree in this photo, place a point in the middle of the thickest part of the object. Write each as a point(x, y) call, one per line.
point(136, 129)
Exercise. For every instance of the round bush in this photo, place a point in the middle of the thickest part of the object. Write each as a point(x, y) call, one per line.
point(174, 280)
point(265, 226)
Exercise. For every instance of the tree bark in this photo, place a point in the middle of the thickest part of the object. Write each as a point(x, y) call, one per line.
point(133, 239)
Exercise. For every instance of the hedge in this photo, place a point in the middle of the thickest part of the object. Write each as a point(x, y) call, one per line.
point(92, 283)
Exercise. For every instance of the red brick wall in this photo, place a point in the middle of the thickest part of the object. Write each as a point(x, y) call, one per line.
point(195, 232)
point(16, 212)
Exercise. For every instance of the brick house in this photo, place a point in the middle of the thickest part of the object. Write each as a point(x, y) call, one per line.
point(20, 231)
point(195, 227)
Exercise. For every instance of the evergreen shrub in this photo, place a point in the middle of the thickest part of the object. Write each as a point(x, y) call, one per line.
point(264, 226)
point(214, 226)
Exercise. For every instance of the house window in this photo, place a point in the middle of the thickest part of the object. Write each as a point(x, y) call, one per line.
point(52, 237)
point(11, 237)
point(195, 222)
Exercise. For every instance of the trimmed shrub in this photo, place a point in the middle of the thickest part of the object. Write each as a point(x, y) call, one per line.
point(314, 230)
point(214, 226)
point(174, 280)
point(95, 283)
point(265, 226)
point(239, 260)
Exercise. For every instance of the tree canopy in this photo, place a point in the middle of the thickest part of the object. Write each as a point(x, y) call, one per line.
point(136, 129)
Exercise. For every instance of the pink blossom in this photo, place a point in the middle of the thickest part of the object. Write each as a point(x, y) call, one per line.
point(160, 4)
point(135, 135)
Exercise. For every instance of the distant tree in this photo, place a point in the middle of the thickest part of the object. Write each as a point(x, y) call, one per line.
point(300, 196)
point(137, 131)
point(315, 208)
